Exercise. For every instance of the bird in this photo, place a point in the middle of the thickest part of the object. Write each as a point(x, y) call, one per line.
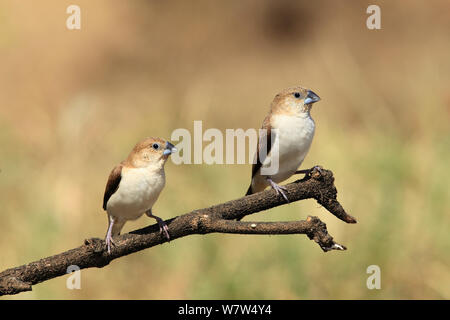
point(135, 184)
point(287, 132)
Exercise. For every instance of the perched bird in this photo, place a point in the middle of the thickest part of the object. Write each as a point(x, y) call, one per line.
point(290, 115)
point(134, 186)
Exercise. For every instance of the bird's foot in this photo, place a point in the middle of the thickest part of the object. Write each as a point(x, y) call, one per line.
point(163, 229)
point(279, 189)
point(109, 242)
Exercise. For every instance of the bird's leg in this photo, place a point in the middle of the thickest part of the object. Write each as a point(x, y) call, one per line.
point(162, 225)
point(108, 239)
point(279, 189)
point(307, 172)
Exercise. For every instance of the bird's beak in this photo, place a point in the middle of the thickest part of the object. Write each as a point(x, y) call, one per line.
point(170, 148)
point(311, 97)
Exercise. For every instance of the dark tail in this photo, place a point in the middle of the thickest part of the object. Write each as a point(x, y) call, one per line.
point(249, 191)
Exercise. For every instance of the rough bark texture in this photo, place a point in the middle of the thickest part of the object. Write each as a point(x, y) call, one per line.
point(221, 218)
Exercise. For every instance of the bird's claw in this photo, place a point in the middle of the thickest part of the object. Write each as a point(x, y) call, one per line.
point(279, 189)
point(163, 228)
point(109, 241)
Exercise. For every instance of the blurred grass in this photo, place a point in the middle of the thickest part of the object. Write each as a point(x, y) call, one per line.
point(73, 103)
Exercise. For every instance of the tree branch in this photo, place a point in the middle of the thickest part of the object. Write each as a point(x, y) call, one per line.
point(319, 185)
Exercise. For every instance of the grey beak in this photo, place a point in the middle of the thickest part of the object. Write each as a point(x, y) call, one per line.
point(311, 97)
point(170, 148)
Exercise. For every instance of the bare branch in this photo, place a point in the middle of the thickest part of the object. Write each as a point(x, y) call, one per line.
point(319, 184)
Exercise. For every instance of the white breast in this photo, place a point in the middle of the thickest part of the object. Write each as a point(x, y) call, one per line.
point(292, 142)
point(138, 190)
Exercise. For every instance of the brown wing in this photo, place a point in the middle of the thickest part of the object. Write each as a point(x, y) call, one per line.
point(264, 139)
point(113, 184)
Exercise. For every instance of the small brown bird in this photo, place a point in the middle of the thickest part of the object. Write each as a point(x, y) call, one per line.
point(135, 184)
point(288, 134)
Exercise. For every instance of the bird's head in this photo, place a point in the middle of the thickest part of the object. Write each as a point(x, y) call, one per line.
point(294, 101)
point(151, 152)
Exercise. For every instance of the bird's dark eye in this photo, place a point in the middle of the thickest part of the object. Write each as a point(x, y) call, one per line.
point(155, 146)
point(297, 95)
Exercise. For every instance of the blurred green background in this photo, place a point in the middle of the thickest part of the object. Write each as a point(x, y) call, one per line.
point(74, 103)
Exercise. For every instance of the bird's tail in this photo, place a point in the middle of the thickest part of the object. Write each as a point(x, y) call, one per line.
point(249, 191)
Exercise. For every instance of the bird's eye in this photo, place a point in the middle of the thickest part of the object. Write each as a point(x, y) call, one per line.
point(155, 146)
point(297, 95)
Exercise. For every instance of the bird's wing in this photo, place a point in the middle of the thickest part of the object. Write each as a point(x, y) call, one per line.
point(113, 184)
point(264, 139)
